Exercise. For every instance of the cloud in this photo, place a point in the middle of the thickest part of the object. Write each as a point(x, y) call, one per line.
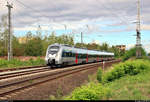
point(145, 27)
point(116, 12)
point(147, 47)
point(129, 46)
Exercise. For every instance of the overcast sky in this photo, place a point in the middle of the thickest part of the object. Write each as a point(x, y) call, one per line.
point(113, 19)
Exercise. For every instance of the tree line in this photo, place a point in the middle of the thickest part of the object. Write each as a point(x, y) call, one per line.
point(36, 44)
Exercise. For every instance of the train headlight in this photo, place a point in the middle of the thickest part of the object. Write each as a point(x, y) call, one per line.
point(56, 54)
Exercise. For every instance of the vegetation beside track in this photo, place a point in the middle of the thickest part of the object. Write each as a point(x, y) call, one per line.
point(130, 81)
point(17, 63)
point(132, 53)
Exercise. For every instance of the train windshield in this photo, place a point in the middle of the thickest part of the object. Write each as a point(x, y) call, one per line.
point(53, 49)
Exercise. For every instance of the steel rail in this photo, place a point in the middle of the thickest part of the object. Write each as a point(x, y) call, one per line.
point(53, 76)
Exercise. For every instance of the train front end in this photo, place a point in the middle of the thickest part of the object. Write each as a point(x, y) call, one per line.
point(52, 57)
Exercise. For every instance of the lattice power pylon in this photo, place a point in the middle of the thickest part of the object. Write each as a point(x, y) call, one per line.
point(138, 36)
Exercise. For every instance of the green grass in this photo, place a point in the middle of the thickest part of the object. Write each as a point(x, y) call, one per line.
point(17, 63)
point(131, 87)
point(127, 68)
point(127, 87)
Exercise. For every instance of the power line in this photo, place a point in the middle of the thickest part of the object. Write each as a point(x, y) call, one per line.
point(35, 10)
point(121, 18)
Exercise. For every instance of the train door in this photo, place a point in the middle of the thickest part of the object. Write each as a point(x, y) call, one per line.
point(86, 58)
point(97, 58)
point(76, 58)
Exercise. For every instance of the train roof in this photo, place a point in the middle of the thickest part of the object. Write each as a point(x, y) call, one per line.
point(83, 50)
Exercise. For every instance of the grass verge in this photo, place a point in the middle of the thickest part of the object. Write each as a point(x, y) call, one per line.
point(132, 84)
point(15, 63)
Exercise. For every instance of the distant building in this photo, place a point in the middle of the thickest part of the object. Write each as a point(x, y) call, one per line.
point(121, 47)
point(95, 42)
point(22, 40)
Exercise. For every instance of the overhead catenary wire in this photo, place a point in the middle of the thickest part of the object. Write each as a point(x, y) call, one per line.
point(35, 10)
point(27, 6)
point(115, 14)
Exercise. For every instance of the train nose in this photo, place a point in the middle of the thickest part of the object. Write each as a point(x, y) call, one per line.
point(51, 59)
point(52, 56)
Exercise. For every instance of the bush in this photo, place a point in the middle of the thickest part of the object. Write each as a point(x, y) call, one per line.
point(90, 92)
point(127, 68)
point(99, 74)
point(132, 52)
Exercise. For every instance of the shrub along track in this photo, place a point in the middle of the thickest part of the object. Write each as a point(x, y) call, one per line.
point(9, 87)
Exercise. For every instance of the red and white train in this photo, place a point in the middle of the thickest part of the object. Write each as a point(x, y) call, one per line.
point(58, 54)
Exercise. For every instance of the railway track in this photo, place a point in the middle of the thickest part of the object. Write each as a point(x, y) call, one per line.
point(13, 69)
point(11, 74)
point(12, 87)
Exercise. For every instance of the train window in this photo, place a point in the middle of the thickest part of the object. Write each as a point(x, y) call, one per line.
point(70, 54)
point(53, 49)
point(90, 56)
point(73, 55)
point(80, 55)
point(63, 54)
point(67, 54)
point(85, 55)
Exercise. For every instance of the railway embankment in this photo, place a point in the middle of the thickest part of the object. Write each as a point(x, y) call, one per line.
point(60, 83)
point(125, 81)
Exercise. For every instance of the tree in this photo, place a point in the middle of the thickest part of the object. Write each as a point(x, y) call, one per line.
point(92, 46)
point(39, 32)
point(29, 36)
point(132, 53)
point(116, 51)
point(65, 39)
point(18, 49)
point(52, 38)
point(104, 47)
point(79, 45)
point(34, 47)
point(3, 36)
